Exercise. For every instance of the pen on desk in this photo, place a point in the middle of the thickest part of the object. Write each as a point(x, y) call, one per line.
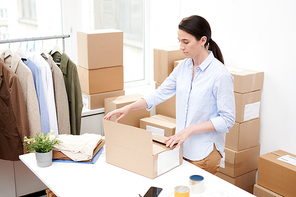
point(140, 195)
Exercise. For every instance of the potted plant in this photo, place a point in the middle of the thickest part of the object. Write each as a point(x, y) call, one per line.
point(42, 145)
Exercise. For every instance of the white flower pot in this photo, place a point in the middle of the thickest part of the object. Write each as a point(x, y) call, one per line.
point(44, 159)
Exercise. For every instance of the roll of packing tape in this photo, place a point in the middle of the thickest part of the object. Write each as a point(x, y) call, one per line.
point(181, 191)
point(196, 184)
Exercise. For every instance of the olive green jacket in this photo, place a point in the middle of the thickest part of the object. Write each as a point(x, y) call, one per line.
point(73, 89)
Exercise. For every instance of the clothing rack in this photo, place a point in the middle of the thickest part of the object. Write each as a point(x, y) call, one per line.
point(36, 38)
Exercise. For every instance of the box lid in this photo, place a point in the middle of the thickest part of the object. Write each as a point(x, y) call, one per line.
point(275, 155)
point(161, 120)
point(100, 31)
point(241, 71)
point(134, 138)
point(125, 98)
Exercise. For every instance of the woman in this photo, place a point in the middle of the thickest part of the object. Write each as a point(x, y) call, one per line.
point(205, 107)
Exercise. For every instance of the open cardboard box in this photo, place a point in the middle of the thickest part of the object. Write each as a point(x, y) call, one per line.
point(139, 150)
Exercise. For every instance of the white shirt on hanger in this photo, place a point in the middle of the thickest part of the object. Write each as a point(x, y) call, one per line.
point(48, 90)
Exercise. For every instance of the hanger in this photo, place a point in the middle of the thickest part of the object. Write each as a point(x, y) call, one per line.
point(8, 52)
point(42, 50)
point(21, 52)
point(56, 48)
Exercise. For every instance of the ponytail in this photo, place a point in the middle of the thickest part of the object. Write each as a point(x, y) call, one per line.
point(199, 27)
point(216, 50)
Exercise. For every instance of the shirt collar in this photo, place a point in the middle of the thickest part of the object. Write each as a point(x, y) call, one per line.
point(15, 59)
point(64, 61)
point(207, 61)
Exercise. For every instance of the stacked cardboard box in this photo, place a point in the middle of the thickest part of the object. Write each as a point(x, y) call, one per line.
point(100, 66)
point(242, 142)
point(276, 174)
point(164, 63)
point(133, 117)
point(159, 124)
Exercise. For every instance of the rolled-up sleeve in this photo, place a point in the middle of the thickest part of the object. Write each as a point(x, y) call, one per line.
point(223, 90)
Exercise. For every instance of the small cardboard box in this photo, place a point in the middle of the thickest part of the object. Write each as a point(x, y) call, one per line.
point(168, 107)
point(246, 80)
point(159, 124)
point(260, 191)
point(277, 172)
point(135, 150)
point(238, 163)
point(94, 101)
point(164, 61)
point(176, 63)
point(100, 48)
point(247, 106)
point(243, 135)
point(100, 80)
point(133, 117)
point(243, 181)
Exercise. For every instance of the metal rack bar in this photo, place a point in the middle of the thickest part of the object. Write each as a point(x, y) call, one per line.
point(34, 39)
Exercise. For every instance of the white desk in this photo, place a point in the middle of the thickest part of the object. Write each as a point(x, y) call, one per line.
point(105, 180)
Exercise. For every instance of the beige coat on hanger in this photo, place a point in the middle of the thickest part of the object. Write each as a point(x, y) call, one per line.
point(61, 98)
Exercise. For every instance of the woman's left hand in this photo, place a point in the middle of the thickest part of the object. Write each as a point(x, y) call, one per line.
point(183, 135)
point(179, 138)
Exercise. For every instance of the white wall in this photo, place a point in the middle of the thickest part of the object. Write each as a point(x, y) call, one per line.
point(254, 34)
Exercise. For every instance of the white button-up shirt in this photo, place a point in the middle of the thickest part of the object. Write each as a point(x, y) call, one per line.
point(48, 90)
point(208, 96)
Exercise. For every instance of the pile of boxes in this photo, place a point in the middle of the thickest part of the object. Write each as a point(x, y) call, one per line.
point(100, 66)
point(276, 175)
point(164, 63)
point(136, 142)
point(242, 146)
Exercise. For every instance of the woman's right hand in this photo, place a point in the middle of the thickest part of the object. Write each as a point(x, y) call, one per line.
point(121, 111)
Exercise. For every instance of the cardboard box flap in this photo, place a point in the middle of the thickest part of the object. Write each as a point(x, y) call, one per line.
point(158, 138)
point(128, 136)
point(159, 145)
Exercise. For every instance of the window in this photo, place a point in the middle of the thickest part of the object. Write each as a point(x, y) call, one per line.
point(28, 10)
point(127, 16)
point(3, 13)
point(27, 19)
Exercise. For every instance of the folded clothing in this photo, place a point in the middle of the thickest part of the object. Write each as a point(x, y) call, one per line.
point(58, 155)
point(78, 147)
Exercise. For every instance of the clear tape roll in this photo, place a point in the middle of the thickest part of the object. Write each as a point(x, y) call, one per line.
point(181, 191)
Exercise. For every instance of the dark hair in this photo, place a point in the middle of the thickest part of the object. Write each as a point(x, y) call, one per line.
point(199, 27)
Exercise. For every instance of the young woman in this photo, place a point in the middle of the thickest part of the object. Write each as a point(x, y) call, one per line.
point(205, 106)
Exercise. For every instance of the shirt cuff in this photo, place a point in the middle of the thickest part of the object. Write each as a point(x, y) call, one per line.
point(149, 102)
point(219, 124)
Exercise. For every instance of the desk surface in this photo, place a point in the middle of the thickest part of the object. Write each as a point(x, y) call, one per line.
point(103, 179)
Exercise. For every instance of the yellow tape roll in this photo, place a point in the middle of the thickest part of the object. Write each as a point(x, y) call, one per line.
point(181, 191)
